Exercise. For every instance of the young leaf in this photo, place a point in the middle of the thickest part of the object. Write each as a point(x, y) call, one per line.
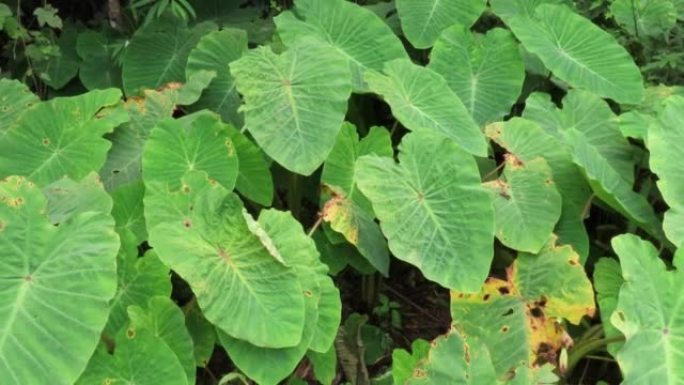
point(138, 280)
point(139, 357)
point(485, 71)
point(648, 314)
point(527, 204)
point(404, 362)
point(432, 209)
point(608, 281)
point(254, 179)
point(124, 160)
point(355, 32)
point(55, 291)
point(98, 67)
point(47, 15)
point(579, 52)
point(424, 20)
point(197, 141)
point(422, 101)
point(149, 63)
point(161, 316)
point(238, 277)
point(294, 102)
point(61, 137)
point(214, 52)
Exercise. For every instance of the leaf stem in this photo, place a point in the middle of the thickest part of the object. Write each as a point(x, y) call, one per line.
point(581, 350)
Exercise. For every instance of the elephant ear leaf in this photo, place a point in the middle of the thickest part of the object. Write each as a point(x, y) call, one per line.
point(663, 162)
point(579, 52)
point(652, 353)
point(432, 209)
point(424, 20)
point(294, 102)
point(56, 293)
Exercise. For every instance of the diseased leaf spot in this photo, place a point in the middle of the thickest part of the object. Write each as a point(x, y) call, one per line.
point(46, 142)
point(187, 223)
point(308, 293)
point(2, 226)
point(466, 353)
point(108, 381)
point(536, 312)
point(419, 373)
point(186, 189)
point(130, 333)
point(115, 172)
point(504, 329)
point(28, 278)
point(666, 331)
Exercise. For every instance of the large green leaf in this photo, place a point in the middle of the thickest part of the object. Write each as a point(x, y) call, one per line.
point(454, 360)
point(424, 20)
point(157, 53)
point(55, 291)
point(124, 160)
point(664, 141)
point(99, 68)
point(527, 204)
point(358, 34)
point(649, 314)
point(214, 52)
point(518, 319)
point(645, 17)
point(432, 209)
point(197, 141)
point(579, 52)
point(422, 101)
point(139, 358)
point(15, 99)
point(527, 141)
point(165, 320)
point(239, 278)
point(61, 137)
point(485, 71)
point(299, 252)
point(294, 102)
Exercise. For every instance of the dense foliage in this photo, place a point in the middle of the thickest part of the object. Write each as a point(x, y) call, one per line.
point(326, 191)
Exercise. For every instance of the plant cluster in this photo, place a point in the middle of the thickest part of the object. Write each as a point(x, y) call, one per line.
point(213, 192)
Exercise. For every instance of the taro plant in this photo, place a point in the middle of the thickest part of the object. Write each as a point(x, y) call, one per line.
point(404, 192)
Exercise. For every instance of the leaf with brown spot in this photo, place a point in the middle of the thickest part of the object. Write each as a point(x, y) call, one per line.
point(520, 320)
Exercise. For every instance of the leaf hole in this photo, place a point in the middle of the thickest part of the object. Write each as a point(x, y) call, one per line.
point(536, 312)
point(486, 297)
point(504, 290)
point(508, 312)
